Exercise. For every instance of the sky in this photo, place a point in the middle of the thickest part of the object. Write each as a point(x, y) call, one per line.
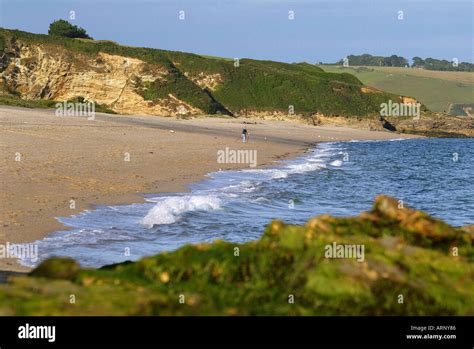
point(321, 30)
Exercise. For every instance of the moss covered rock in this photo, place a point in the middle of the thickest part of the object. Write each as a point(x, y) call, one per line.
point(57, 268)
point(412, 264)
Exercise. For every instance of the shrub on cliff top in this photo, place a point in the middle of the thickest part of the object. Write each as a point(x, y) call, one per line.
point(66, 29)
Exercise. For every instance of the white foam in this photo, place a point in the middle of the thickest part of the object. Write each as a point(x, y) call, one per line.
point(306, 167)
point(377, 140)
point(313, 163)
point(260, 199)
point(59, 242)
point(242, 187)
point(279, 173)
point(169, 209)
point(336, 163)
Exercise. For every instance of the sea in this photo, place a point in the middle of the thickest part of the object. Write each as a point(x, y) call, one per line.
point(337, 178)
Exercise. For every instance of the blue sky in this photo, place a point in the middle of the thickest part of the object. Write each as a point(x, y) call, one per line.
point(321, 30)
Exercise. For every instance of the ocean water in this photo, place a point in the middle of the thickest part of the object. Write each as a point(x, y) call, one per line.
point(339, 178)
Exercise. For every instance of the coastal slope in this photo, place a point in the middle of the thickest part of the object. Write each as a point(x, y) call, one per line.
point(134, 80)
point(40, 70)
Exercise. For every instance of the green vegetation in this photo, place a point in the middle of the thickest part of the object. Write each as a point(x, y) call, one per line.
point(275, 86)
point(253, 86)
point(442, 65)
point(219, 58)
point(397, 61)
point(65, 29)
point(182, 88)
point(406, 253)
point(369, 60)
point(16, 101)
point(99, 108)
point(436, 90)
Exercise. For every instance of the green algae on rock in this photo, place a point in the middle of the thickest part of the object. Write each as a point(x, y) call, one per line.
point(413, 265)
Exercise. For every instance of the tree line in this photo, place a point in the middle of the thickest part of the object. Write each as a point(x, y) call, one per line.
point(398, 61)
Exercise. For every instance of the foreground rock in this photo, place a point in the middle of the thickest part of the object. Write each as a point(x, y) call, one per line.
point(404, 263)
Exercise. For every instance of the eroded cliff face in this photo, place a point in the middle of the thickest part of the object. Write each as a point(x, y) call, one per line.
point(139, 80)
point(133, 80)
point(45, 72)
point(205, 81)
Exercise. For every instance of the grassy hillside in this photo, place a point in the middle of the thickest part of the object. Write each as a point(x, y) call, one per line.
point(253, 86)
point(408, 268)
point(434, 89)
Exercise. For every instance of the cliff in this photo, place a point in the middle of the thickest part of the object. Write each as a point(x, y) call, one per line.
point(151, 81)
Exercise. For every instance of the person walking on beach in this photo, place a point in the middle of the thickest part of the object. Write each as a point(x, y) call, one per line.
point(245, 135)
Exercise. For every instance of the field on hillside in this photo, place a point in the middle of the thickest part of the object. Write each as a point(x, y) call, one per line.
point(435, 89)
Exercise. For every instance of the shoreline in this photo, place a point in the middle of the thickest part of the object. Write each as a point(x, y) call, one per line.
point(72, 158)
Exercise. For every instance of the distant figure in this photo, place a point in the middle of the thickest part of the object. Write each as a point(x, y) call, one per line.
point(245, 135)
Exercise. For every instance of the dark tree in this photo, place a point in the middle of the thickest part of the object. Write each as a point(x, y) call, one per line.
point(66, 29)
point(418, 62)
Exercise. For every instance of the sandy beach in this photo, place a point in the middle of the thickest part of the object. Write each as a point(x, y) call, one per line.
point(47, 161)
